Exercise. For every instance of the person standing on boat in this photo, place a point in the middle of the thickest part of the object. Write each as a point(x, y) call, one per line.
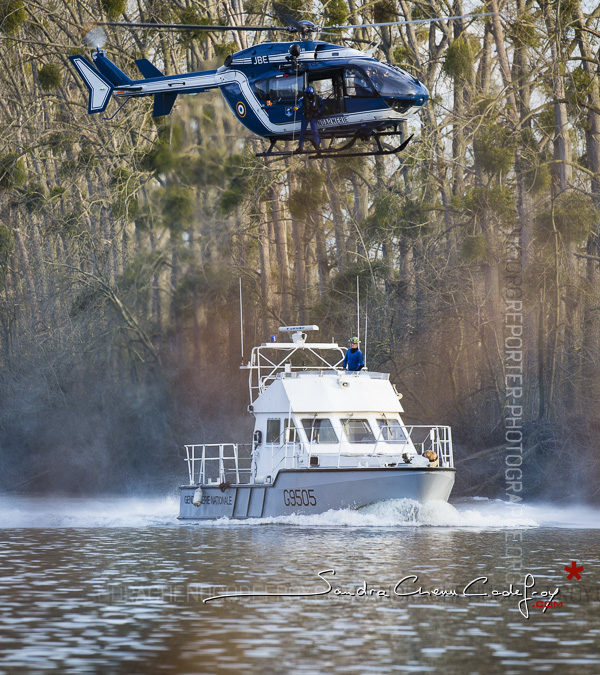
point(312, 107)
point(354, 357)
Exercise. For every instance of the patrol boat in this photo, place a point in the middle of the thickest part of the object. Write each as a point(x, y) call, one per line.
point(324, 438)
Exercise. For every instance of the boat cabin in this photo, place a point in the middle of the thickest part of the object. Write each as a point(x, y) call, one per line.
point(312, 414)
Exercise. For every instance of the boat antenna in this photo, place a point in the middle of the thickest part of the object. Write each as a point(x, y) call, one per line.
point(357, 308)
point(241, 321)
point(366, 333)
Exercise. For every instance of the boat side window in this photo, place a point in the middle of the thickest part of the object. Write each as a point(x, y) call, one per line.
point(292, 435)
point(391, 431)
point(358, 431)
point(273, 430)
point(319, 430)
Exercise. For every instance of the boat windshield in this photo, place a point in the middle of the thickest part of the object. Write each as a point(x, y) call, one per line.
point(319, 431)
point(389, 81)
point(391, 431)
point(358, 431)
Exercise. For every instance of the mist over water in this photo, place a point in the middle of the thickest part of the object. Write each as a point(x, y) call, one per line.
point(61, 512)
point(136, 512)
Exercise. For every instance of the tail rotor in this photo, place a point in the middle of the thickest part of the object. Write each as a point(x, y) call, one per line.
point(95, 38)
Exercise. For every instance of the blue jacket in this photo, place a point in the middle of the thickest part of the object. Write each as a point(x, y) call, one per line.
point(353, 360)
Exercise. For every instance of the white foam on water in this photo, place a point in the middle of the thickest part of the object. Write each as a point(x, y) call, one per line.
point(476, 512)
point(408, 513)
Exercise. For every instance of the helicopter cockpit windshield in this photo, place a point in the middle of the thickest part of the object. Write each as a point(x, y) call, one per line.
point(388, 81)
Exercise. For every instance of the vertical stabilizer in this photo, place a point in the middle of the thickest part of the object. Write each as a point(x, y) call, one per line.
point(147, 69)
point(98, 86)
point(163, 103)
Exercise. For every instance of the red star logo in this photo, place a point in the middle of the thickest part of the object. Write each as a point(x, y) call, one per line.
point(573, 570)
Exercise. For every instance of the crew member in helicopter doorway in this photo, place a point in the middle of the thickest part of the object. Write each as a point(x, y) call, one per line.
point(312, 107)
point(354, 357)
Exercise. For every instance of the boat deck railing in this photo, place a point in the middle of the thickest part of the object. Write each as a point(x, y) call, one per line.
point(432, 437)
point(270, 360)
point(219, 463)
point(296, 453)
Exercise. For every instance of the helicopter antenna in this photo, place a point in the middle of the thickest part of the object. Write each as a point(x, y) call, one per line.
point(241, 321)
point(372, 49)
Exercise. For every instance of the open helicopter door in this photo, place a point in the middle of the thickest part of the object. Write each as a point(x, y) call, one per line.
point(329, 86)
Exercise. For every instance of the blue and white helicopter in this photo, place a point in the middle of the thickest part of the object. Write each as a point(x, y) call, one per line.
point(364, 99)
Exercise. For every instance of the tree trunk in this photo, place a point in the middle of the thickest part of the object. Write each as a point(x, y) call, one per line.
point(281, 247)
point(264, 255)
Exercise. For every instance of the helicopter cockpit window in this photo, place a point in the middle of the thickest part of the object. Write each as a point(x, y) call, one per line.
point(280, 89)
point(387, 81)
point(357, 84)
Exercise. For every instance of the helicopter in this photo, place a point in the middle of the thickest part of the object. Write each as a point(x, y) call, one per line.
point(363, 98)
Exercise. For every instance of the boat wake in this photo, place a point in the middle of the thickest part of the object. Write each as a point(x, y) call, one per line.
point(408, 513)
point(137, 512)
point(476, 512)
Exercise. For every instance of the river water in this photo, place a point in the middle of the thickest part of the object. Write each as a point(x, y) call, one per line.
point(118, 585)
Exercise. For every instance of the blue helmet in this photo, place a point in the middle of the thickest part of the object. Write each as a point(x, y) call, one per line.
point(309, 90)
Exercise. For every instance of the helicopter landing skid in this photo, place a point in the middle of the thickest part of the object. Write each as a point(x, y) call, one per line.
point(316, 153)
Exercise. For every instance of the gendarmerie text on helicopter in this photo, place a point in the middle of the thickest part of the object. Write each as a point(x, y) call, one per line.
point(364, 99)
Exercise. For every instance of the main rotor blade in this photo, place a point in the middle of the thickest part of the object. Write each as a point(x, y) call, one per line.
point(188, 26)
point(406, 21)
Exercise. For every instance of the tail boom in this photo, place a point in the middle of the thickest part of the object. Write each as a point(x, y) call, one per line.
point(103, 78)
